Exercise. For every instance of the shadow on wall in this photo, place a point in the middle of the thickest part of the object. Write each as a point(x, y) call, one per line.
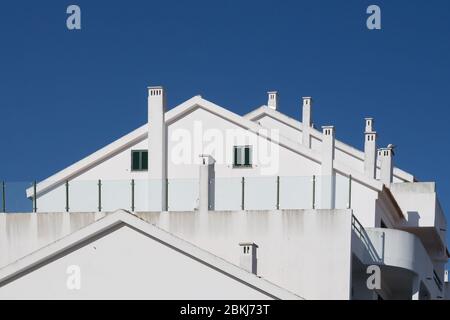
point(413, 218)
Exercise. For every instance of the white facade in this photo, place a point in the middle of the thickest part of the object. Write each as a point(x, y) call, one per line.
point(122, 257)
point(293, 166)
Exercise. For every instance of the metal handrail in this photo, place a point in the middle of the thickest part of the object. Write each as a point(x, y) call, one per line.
point(438, 281)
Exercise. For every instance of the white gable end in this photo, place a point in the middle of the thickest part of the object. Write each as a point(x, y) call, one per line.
point(123, 257)
point(126, 264)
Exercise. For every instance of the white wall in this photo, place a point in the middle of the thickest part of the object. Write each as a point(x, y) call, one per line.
point(126, 264)
point(285, 162)
point(307, 252)
point(420, 204)
point(295, 171)
point(116, 176)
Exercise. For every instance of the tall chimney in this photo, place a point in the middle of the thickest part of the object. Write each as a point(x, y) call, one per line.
point(248, 259)
point(157, 149)
point(387, 166)
point(307, 121)
point(206, 184)
point(272, 101)
point(370, 149)
point(327, 178)
point(328, 139)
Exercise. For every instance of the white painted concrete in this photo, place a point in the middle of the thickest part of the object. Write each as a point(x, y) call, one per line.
point(386, 158)
point(399, 249)
point(289, 242)
point(272, 101)
point(419, 202)
point(157, 147)
point(122, 257)
point(307, 121)
point(380, 193)
point(370, 149)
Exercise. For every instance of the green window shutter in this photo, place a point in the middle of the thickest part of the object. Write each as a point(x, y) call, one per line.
point(239, 156)
point(144, 162)
point(247, 156)
point(135, 160)
point(242, 156)
point(139, 160)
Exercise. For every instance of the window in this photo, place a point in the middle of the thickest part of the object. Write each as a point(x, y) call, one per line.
point(242, 156)
point(139, 160)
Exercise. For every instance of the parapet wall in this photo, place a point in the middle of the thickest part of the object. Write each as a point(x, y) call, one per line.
point(305, 251)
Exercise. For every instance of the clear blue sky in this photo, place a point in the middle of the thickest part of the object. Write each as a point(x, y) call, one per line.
point(64, 94)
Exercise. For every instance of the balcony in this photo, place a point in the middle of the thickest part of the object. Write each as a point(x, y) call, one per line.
point(423, 212)
point(401, 257)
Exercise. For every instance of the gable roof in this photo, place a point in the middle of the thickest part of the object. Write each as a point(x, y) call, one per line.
point(294, 123)
point(176, 113)
point(111, 221)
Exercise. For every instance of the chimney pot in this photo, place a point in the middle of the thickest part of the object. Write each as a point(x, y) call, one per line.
point(307, 121)
point(307, 112)
point(248, 259)
point(387, 167)
point(272, 101)
point(370, 149)
point(369, 125)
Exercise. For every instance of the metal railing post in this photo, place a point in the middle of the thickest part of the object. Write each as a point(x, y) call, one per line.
point(34, 197)
point(132, 195)
point(349, 192)
point(99, 195)
point(243, 194)
point(67, 195)
point(3, 197)
point(167, 196)
point(314, 192)
point(278, 192)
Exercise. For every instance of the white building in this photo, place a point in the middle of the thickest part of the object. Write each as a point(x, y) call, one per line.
point(320, 211)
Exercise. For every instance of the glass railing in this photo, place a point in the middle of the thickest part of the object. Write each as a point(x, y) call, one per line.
point(13, 197)
point(228, 194)
point(297, 192)
point(182, 194)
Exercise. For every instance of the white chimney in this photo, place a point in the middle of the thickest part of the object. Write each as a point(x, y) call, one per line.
point(157, 148)
point(248, 259)
point(206, 184)
point(328, 138)
point(306, 121)
point(370, 149)
point(327, 178)
point(272, 101)
point(387, 166)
